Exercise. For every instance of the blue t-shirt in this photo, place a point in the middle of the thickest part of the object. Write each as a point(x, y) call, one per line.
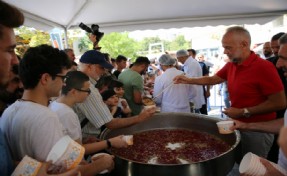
point(6, 163)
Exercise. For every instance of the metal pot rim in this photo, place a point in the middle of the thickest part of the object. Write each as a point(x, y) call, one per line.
point(214, 119)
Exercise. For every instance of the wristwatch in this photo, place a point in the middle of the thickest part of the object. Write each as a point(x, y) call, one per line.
point(109, 144)
point(246, 113)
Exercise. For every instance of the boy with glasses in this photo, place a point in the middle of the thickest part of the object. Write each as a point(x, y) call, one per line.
point(76, 90)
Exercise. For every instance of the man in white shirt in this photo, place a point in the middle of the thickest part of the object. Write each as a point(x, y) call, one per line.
point(29, 126)
point(171, 97)
point(21, 121)
point(192, 69)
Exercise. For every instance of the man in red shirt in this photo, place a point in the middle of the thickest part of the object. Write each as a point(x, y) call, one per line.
point(254, 86)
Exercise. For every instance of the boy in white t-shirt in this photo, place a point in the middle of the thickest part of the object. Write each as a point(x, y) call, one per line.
point(76, 90)
point(29, 126)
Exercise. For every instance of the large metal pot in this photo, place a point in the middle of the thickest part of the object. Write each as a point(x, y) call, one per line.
point(218, 166)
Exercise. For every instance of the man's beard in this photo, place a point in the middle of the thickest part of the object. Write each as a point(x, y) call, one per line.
point(235, 60)
point(8, 97)
point(267, 53)
point(284, 71)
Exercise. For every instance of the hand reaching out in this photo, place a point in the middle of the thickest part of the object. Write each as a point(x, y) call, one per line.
point(44, 171)
point(118, 142)
point(181, 79)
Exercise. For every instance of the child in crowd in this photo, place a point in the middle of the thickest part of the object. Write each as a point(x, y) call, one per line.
point(109, 82)
point(104, 82)
point(111, 100)
point(76, 90)
point(118, 87)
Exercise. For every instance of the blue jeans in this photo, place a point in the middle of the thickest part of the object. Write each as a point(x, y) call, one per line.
point(226, 99)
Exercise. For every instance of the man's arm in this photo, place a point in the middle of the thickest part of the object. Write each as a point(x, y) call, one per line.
point(125, 122)
point(137, 96)
point(205, 80)
point(272, 126)
point(273, 103)
point(282, 140)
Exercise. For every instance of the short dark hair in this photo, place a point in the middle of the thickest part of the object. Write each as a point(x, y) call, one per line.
point(192, 50)
point(283, 39)
point(68, 50)
point(141, 60)
point(39, 60)
point(107, 57)
point(105, 80)
point(74, 80)
point(277, 36)
point(121, 58)
point(107, 94)
point(11, 17)
point(116, 84)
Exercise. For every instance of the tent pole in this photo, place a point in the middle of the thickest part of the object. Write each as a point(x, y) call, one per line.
point(66, 37)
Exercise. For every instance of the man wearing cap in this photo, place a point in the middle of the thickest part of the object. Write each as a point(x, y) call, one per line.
point(192, 69)
point(174, 98)
point(93, 113)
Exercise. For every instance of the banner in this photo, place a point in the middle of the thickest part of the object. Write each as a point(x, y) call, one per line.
point(57, 40)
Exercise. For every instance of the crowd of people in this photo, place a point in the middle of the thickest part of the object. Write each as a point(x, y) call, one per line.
point(46, 95)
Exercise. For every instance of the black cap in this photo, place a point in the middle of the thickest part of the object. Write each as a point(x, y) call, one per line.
point(95, 57)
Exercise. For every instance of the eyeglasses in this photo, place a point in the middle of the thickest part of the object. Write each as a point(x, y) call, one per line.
point(63, 77)
point(81, 90)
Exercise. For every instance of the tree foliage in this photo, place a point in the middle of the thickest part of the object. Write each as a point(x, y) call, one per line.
point(85, 44)
point(113, 43)
point(119, 44)
point(144, 44)
point(34, 37)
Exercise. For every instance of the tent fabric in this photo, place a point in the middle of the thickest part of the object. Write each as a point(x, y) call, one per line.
point(129, 15)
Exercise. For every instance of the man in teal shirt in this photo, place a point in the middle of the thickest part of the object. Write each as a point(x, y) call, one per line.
point(134, 84)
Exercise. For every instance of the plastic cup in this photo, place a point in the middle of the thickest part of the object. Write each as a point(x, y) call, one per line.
point(128, 139)
point(27, 166)
point(66, 152)
point(100, 154)
point(157, 110)
point(251, 165)
point(224, 127)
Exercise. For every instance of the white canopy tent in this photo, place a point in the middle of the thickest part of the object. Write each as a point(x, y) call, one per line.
point(129, 15)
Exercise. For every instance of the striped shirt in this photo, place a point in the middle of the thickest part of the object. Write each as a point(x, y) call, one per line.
point(95, 110)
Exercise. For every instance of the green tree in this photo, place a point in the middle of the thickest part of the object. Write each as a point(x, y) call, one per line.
point(179, 43)
point(34, 36)
point(119, 44)
point(144, 44)
point(85, 44)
